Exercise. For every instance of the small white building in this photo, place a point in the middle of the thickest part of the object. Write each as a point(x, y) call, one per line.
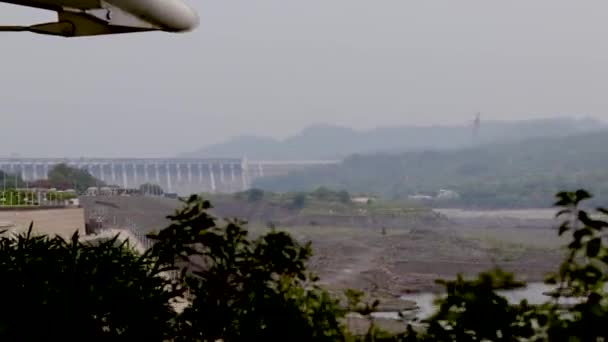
point(363, 199)
point(420, 197)
point(445, 194)
point(92, 191)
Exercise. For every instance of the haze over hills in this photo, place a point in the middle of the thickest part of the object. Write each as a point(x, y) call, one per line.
point(324, 141)
point(516, 174)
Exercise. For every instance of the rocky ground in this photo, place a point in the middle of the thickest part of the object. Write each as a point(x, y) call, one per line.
point(394, 260)
point(386, 263)
point(399, 261)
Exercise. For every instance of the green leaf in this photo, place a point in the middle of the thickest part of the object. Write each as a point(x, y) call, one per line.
point(564, 199)
point(542, 320)
point(592, 274)
point(576, 244)
point(564, 227)
point(587, 221)
point(581, 233)
point(551, 280)
point(581, 195)
point(593, 247)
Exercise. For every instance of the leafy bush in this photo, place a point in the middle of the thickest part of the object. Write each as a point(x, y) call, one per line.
point(71, 290)
point(236, 288)
point(244, 289)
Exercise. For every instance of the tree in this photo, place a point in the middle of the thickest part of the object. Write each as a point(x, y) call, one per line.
point(299, 200)
point(255, 195)
point(239, 289)
point(71, 290)
point(344, 197)
point(151, 189)
point(63, 177)
point(245, 289)
point(323, 193)
point(10, 181)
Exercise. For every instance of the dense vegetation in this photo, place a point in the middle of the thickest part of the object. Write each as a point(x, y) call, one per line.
point(242, 289)
point(524, 174)
point(10, 181)
point(76, 291)
point(64, 177)
point(238, 288)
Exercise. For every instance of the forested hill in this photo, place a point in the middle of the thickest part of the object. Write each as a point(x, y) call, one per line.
point(523, 174)
point(326, 141)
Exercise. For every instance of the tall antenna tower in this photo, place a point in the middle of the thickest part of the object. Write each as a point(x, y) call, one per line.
point(476, 125)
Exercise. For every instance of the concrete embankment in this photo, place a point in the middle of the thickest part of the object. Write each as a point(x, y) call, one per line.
point(52, 221)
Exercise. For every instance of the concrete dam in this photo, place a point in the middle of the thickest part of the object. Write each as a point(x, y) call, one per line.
point(179, 175)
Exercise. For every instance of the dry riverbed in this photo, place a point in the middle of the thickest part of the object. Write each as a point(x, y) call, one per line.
point(387, 264)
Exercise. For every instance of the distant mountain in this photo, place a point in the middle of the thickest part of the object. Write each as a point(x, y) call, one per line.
point(334, 142)
point(517, 174)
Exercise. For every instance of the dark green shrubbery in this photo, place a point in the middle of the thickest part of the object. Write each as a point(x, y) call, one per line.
point(245, 289)
point(239, 288)
point(57, 290)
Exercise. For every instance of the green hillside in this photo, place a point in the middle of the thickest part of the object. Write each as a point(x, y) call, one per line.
point(524, 174)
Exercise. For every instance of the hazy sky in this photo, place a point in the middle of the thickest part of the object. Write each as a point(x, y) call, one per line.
point(270, 67)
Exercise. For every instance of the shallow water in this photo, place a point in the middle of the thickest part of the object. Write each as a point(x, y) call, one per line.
point(533, 293)
point(530, 214)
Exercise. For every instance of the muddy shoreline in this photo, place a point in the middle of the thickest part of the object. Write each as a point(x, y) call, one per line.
point(410, 260)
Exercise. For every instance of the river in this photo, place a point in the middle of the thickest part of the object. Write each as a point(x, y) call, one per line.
point(534, 293)
point(522, 214)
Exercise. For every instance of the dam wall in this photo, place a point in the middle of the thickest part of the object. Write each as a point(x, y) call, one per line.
point(174, 175)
